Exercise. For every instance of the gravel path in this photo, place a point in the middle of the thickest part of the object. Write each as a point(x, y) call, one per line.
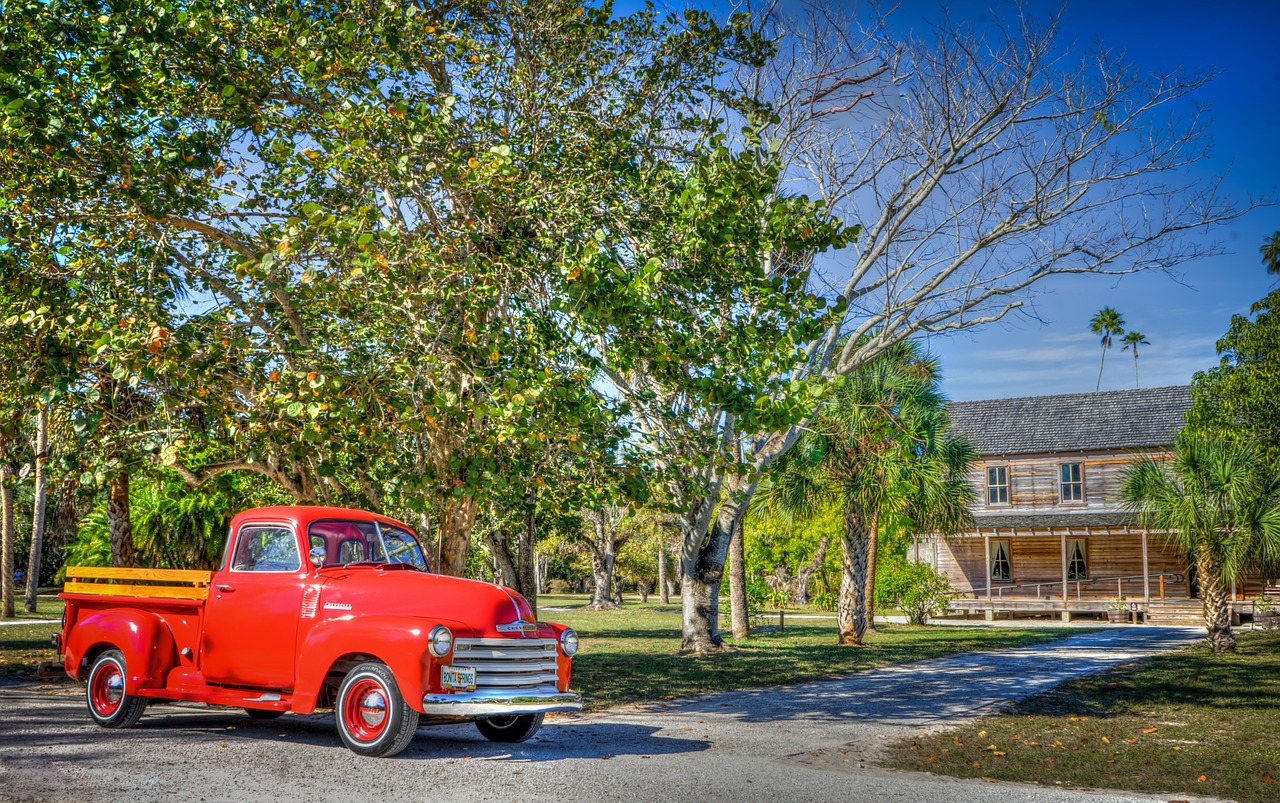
point(813, 741)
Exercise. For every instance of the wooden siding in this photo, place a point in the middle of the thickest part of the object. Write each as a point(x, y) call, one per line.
point(1033, 482)
point(1038, 559)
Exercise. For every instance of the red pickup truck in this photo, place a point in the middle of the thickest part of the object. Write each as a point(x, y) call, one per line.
point(317, 607)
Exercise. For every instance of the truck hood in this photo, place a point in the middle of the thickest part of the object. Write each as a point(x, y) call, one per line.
point(395, 591)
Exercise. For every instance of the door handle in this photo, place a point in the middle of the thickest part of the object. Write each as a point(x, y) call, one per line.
point(225, 588)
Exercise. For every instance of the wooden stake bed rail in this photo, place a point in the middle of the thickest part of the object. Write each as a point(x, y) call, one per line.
point(152, 583)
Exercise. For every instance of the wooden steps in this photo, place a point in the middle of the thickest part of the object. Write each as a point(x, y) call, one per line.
point(1188, 612)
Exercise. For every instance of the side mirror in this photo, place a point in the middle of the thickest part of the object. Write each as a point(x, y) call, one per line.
point(317, 556)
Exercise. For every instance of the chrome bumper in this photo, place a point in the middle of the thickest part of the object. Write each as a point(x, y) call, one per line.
point(487, 703)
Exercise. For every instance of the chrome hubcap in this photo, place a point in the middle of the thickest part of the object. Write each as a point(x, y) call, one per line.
point(373, 709)
point(114, 688)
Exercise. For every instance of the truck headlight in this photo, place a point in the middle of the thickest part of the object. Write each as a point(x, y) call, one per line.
point(569, 642)
point(440, 641)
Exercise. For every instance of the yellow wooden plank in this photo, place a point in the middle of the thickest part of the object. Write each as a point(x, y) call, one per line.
point(125, 590)
point(162, 575)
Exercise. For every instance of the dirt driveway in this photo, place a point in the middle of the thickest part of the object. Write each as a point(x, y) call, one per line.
point(814, 741)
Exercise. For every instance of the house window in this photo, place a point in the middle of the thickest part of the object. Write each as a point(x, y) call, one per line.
point(1071, 482)
point(997, 485)
point(1077, 565)
point(999, 561)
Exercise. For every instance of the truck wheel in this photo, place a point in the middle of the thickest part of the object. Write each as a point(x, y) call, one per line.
point(514, 728)
point(109, 706)
point(373, 718)
point(262, 713)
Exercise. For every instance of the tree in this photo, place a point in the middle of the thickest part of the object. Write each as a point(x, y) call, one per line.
point(1239, 399)
point(399, 213)
point(1221, 505)
point(1270, 251)
point(1108, 323)
point(1131, 341)
point(878, 445)
point(979, 164)
point(38, 507)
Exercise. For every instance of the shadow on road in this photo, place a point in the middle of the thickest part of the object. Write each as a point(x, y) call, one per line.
point(55, 717)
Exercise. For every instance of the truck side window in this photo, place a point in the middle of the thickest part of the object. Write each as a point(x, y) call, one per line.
point(266, 549)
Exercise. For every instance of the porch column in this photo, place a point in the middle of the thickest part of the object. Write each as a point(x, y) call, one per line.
point(986, 549)
point(1063, 539)
point(1146, 571)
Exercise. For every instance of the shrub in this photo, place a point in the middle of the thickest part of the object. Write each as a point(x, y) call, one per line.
point(915, 588)
point(826, 601)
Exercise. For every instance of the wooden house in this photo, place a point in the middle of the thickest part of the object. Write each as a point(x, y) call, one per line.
point(1050, 534)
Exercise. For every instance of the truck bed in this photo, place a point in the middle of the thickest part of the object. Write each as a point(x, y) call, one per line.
point(142, 583)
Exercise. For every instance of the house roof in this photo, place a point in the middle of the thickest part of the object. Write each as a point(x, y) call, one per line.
point(1073, 422)
point(1033, 521)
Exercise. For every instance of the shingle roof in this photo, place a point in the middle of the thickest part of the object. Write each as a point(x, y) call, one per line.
point(1113, 419)
point(1037, 520)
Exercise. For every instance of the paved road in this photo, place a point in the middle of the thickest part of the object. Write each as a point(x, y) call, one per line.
point(813, 741)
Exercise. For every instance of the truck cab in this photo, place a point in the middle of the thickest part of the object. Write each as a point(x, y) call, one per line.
point(318, 607)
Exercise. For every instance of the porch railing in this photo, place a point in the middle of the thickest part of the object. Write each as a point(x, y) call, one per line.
point(997, 592)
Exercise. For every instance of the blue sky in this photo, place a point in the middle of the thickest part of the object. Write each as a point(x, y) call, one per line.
point(1182, 317)
point(1182, 320)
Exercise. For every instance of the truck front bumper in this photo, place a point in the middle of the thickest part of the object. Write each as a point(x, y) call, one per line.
point(491, 703)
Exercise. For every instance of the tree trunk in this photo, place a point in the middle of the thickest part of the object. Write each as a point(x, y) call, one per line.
point(457, 518)
point(739, 621)
point(1101, 365)
point(663, 588)
point(851, 614)
point(604, 555)
point(1217, 608)
point(602, 573)
point(6, 544)
point(869, 596)
point(37, 519)
point(642, 588)
point(800, 583)
point(528, 586)
point(118, 523)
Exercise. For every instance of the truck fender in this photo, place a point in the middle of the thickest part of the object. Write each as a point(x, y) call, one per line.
point(142, 637)
point(399, 642)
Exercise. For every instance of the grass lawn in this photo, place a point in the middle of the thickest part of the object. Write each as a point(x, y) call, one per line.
point(1188, 722)
point(24, 647)
point(629, 655)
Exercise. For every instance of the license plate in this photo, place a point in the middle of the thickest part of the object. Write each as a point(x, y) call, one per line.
point(458, 677)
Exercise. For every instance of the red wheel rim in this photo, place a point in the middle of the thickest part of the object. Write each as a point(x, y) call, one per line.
point(365, 710)
point(107, 690)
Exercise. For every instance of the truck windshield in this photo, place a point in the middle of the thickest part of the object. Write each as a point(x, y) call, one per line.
point(341, 541)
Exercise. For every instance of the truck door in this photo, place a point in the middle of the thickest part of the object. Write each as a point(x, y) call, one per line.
point(251, 618)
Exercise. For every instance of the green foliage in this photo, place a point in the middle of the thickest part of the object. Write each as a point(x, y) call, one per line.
point(1240, 398)
point(773, 541)
point(173, 527)
point(914, 588)
point(1215, 497)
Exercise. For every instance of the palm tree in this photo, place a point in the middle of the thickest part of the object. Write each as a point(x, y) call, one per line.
point(1218, 502)
point(878, 445)
point(1270, 251)
point(1107, 323)
point(1133, 340)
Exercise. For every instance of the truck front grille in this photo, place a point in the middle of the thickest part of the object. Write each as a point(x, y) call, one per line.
point(508, 663)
